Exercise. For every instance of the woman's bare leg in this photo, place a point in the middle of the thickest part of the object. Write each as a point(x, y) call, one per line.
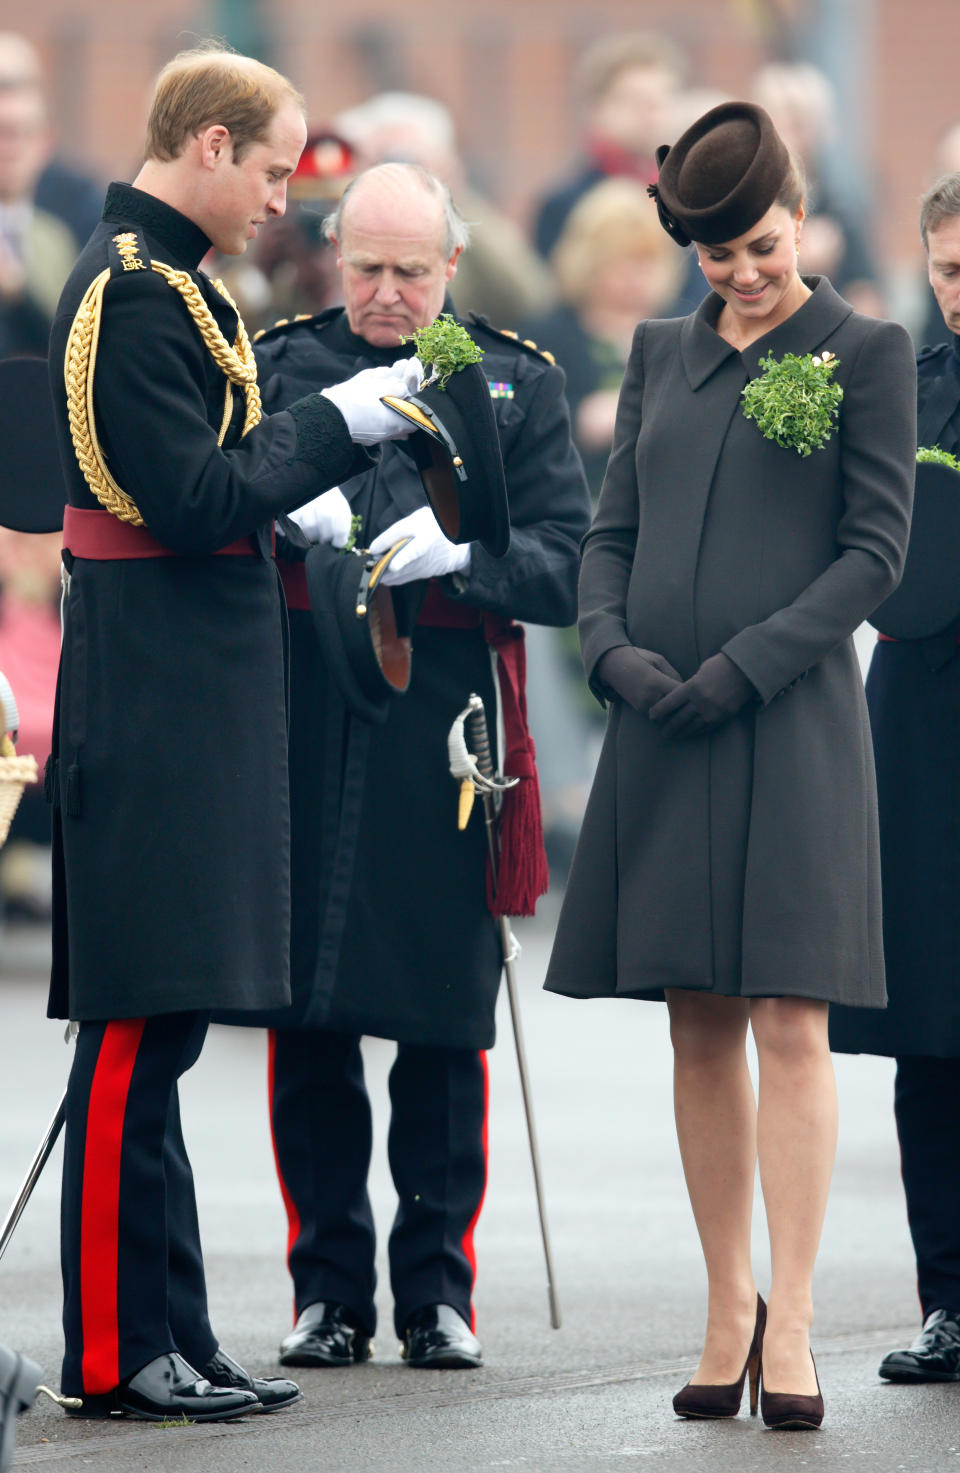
point(716, 1128)
point(796, 1143)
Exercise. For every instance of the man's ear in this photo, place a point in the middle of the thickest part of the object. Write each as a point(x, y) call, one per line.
point(216, 145)
point(451, 269)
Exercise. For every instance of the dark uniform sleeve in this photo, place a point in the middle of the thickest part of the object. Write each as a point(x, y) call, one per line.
point(878, 437)
point(610, 545)
point(536, 579)
point(152, 419)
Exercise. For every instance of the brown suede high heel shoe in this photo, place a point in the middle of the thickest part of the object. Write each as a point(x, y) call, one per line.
point(724, 1401)
point(784, 1411)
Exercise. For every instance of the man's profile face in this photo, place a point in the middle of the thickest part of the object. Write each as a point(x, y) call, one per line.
point(243, 194)
point(392, 260)
point(943, 268)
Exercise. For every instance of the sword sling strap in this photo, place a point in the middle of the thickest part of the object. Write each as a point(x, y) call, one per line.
point(236, 362)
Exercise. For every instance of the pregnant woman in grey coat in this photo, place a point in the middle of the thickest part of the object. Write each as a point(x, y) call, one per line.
point(755, 510)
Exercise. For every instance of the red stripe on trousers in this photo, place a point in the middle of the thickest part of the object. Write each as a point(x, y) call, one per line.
point(467, 1244)
point(100, 1204)
point(293, 1216)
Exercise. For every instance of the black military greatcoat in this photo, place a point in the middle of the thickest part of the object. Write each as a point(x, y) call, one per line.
point(391, 932)
point(171, 829)
point(746, 861)
point(913, 693)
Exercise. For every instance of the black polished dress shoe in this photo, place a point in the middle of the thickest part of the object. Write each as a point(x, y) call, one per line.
point(437, 1338)
point(19, 1379)
point(933, 1356)
point(168, 1389)
point(272, 1392)
point(325, 1336)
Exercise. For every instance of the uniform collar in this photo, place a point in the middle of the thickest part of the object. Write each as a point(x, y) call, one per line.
point(184, 240)
point(343, 340)
point(703, 349)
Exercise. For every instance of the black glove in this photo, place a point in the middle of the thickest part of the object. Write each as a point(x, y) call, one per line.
point(705, 701)
point(639, 676)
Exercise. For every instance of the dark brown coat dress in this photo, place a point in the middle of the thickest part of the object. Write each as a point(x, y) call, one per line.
point(746, 862)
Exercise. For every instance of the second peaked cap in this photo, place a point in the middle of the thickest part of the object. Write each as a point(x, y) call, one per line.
point(721, 176)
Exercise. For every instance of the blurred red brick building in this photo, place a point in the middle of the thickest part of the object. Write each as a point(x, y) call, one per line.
point(504, 67)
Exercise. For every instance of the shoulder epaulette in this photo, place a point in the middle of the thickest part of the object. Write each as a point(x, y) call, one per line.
point(127, 251)
point(513, 338)
point(284, 324)
point(932, 352)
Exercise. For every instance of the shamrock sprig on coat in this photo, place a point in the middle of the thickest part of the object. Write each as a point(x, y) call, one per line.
point(795, 401)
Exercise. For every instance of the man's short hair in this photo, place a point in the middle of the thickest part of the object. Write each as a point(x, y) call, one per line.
point(456, 231)
point(606, 59)
point(210, 84)
point(940, 203)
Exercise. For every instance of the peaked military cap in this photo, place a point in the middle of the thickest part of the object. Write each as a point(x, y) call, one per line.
point(325, 167)
point(457, 450)
point(364, 626)
point(927, 598)
point(721, 176)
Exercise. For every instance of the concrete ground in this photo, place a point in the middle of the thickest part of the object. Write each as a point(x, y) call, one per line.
point(594, 1395)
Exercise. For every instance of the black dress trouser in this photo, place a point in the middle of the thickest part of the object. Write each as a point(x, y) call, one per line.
point(925, 1103)
point(437, 1149)
point(133, 1279)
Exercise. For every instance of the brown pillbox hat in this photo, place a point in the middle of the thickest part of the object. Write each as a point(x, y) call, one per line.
point(721, 176)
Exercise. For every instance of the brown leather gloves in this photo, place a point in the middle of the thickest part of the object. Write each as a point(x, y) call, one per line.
point(639, 676)
point(698, 705)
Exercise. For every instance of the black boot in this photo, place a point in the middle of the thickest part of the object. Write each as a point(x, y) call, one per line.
point(168, 1389)
point(272, 1392)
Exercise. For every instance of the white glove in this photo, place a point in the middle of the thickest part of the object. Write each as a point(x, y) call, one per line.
point(327, 518)
point(428, 555)
point(358, 400)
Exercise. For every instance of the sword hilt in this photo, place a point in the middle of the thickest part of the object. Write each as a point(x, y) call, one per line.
point(480, 737)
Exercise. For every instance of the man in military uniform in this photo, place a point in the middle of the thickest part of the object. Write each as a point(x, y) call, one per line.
point(913, 691)
point(392, 935)
point(169, 767)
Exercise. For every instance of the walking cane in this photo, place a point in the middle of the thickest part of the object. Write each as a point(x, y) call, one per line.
point(475, 773)
point(70, 1403)
point(32, 1176)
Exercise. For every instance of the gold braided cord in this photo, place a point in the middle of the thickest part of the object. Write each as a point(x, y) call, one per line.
point(237, 363)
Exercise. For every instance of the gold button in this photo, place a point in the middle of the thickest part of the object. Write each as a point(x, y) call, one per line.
point(458, 460)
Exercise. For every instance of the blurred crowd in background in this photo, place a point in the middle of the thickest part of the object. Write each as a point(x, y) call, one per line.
point(592, 262)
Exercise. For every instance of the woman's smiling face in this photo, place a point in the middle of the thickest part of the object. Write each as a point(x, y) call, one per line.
point(756, 274)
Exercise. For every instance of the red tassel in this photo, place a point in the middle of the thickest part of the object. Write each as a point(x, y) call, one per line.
point(522, 872)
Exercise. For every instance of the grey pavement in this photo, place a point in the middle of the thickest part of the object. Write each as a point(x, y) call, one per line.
point(594, 1395)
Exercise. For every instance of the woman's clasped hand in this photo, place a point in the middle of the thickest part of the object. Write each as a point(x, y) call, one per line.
point(639, 676)
point(698, 705)
point(683, 708)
